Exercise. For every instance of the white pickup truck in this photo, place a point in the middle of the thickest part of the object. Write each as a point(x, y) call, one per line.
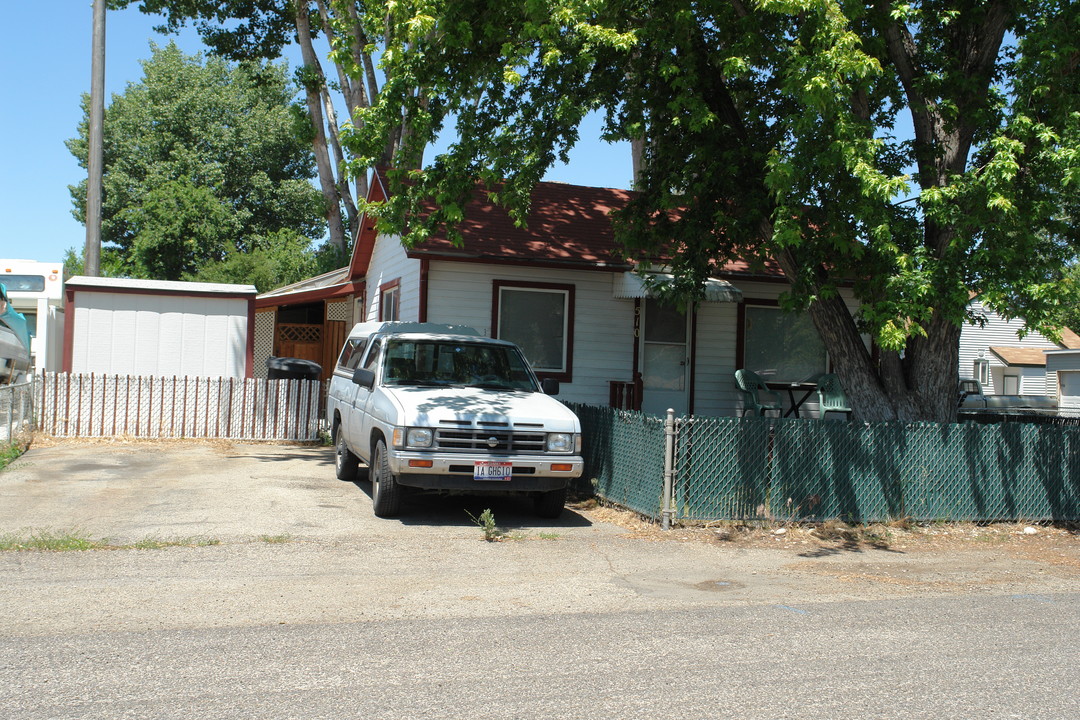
point(441, 408)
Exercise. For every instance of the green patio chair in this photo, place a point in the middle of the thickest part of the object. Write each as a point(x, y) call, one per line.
point(757, 397)
point(831, 397)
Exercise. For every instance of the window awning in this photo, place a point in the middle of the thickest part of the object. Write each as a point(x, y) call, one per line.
point(631, 285)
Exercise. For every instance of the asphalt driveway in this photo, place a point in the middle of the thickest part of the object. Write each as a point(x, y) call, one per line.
point(306, 605)
point(128, 491)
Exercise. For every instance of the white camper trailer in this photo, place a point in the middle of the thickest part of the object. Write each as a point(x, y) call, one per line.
point(36, 289)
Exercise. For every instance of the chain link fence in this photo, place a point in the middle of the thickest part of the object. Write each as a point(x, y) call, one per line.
point(16, 411)
point(771, 469)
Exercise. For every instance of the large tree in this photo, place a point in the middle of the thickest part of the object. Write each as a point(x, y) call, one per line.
point(261, 29)
point(203, 165)
point(914, 152)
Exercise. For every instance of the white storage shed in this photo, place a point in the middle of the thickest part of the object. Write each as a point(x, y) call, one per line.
point(158, 327)
point(1063, 373)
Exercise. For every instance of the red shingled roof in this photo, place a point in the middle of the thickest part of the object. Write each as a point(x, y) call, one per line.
point(568, 225)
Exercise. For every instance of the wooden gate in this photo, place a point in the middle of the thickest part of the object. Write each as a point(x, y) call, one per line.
point(298, 340)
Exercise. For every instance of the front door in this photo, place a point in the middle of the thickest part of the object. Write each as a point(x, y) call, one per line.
point(665, 358)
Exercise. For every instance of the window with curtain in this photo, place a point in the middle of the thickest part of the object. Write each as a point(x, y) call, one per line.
point(781, 346)
point(537, 318)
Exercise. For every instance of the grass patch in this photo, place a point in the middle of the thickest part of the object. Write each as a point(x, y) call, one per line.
point(52, 541)
point(10, 454)
point(155, 543)
point(549, 536)
point(78, 540)
point(276, 539)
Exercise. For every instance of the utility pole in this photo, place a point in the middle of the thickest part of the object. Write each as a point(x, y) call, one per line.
point(92, 252)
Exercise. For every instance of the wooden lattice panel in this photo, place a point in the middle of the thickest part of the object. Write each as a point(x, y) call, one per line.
point(299, 333)
point(338, 311)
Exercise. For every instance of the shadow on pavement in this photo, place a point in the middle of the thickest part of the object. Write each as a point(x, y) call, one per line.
point(510, 511)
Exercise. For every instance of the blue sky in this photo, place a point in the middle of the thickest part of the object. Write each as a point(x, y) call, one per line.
point(47, 66)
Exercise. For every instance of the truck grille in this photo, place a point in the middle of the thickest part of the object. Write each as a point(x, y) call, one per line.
point(489, 441)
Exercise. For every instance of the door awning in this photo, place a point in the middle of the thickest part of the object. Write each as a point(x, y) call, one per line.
point(631, 285)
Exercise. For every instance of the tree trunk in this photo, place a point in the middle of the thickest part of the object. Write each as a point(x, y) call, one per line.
point(637, 151)
point(313, 96)
point(920, 386)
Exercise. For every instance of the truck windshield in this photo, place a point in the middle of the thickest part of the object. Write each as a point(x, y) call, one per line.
point(441, 362)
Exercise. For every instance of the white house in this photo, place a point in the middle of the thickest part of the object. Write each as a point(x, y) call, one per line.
point(1004, 363)
point(158, 327)
point(559, 289)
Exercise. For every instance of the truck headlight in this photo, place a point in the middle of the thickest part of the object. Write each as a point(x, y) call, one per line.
point(560, 442)
point(419, 437)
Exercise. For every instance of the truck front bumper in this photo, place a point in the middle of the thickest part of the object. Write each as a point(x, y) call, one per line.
point(455, 471)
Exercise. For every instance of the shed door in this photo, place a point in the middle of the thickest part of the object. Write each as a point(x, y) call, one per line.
point(1069, 389)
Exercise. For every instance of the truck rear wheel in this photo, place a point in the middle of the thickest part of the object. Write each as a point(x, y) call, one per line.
point(345, 462)
point(385, 491)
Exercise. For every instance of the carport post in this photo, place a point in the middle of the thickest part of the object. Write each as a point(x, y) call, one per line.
point(669, 467)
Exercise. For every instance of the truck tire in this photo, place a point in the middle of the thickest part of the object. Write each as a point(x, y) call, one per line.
point(385, 491)
point(550, 504)
point(345, 462)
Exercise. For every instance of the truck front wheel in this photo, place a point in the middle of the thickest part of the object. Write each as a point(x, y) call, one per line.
point(550, 504)
point(385, 491)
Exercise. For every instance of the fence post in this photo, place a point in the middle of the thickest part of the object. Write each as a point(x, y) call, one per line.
point(669, 468)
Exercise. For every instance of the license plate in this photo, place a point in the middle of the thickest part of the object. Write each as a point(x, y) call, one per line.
point(491, 470)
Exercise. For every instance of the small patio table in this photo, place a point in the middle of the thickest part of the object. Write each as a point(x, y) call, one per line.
point(805, 387)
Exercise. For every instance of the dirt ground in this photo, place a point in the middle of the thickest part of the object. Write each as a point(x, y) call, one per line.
point(1035, 541)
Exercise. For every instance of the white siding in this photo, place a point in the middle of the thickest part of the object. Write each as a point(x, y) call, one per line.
point(133, 334)
point(389, 263)
point(715, 361)
point(461, 293)
point(975, 342)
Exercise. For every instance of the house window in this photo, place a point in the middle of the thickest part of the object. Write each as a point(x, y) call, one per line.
point(390, 301)
point(1010, 385)
point(539, 318)
point(781, 346)
point(982, 371)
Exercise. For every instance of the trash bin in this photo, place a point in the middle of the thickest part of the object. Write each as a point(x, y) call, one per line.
point(287, 368)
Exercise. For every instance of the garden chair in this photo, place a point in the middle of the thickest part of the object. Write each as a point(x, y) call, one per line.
point(831, 397)
point(757, 397)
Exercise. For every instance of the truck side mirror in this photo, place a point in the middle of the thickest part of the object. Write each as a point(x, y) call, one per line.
point(364, 378)
point(550, 386)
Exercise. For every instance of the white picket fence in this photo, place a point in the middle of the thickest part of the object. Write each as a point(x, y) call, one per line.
point(96, 405)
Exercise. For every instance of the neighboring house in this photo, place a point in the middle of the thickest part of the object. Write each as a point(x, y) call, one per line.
point(1006, 364)
point(559, 289)
point(158, 327)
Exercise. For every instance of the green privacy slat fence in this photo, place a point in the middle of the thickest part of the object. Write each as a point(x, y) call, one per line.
point(624, 457)
point(768, 469)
